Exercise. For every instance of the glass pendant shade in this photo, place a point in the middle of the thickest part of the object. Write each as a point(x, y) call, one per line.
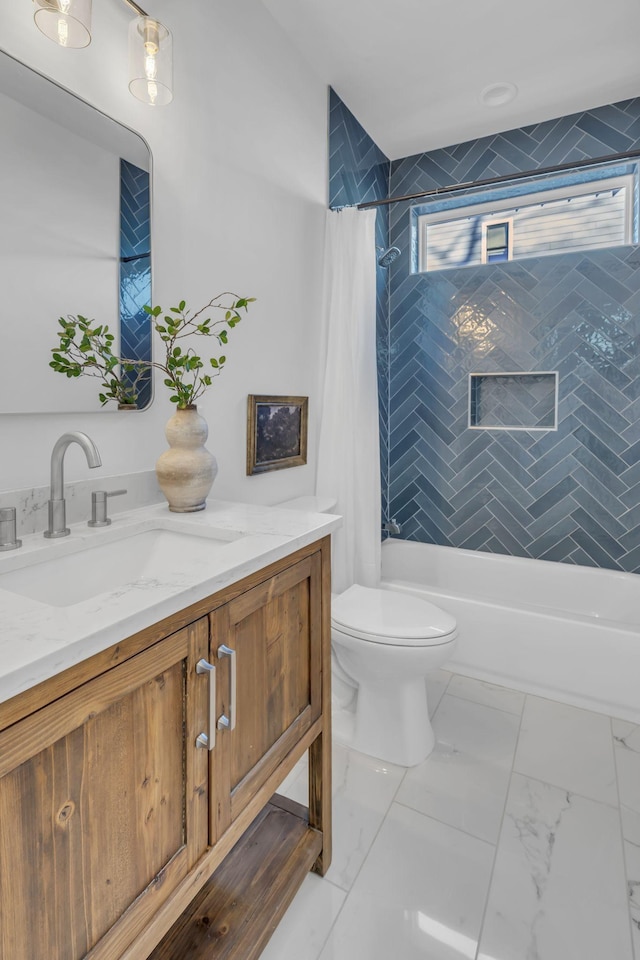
point(67, 22)
point(150, 61)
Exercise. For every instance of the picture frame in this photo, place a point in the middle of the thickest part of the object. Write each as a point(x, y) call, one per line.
point(276, 432)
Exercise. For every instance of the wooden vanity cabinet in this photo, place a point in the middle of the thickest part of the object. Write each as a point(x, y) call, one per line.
point(99, 818)
point(119, 833)
point(275, 633)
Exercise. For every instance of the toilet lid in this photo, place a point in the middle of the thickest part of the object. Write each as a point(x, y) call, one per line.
point(387, 616)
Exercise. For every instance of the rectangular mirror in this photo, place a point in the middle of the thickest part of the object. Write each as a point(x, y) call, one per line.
point(75, 238)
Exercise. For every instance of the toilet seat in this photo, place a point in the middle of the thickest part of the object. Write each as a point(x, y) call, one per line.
point(390, 617)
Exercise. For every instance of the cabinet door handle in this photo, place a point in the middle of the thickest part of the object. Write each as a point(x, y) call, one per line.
point(229, 723)
point(208, 740)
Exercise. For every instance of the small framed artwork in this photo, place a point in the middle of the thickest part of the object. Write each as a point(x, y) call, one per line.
point(276, 433)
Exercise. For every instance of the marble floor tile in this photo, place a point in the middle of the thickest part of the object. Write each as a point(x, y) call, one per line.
point(419, 896)
point(626, 741)
point(464, 781)
point(363, 789)
point(437, 683)
point(567, 747)
point(558, 890)
point(503, 698)
point(410, 878)
point(306, 924)
point(632, 858)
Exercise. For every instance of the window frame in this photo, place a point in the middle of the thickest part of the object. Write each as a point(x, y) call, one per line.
point(514, 202)
point(483, 243)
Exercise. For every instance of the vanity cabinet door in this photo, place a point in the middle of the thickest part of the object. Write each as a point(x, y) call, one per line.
point(103, 805)
point(275, 633)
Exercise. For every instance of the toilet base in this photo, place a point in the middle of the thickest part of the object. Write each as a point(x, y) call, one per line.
point(397, 732)
point(394, 725)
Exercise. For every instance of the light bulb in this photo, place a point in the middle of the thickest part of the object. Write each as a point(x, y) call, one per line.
point(151, 71)
point(150, 67)
point(63, 32)
point(63, 23)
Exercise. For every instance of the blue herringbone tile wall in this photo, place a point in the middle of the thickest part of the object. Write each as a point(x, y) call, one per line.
point(359, 171)
point(135, 275)
point(571, 495)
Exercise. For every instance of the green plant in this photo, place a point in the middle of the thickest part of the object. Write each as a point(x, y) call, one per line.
point(85, 349)
point(185, 372)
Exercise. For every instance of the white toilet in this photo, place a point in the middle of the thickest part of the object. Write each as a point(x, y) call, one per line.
point(384, 644)
point(387, 642)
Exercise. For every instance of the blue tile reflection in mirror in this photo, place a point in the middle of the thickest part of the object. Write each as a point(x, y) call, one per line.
point(135, 270)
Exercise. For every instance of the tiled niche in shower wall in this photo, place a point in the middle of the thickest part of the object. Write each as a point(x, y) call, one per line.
point(513, 401)
point(571, 494)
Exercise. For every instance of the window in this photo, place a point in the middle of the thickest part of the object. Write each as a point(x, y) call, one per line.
point(497, 241)
point(529, 220)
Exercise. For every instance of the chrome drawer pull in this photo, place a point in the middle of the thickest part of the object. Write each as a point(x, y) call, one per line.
point(224, 722)
point(204, 740)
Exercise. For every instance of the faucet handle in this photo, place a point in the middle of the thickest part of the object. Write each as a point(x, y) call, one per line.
point(8, 540)
point(99, 516)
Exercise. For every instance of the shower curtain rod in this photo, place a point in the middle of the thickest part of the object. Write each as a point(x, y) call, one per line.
point(491, 181)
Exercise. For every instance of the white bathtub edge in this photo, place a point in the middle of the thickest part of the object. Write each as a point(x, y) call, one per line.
point(589, 663)
point(613, 710)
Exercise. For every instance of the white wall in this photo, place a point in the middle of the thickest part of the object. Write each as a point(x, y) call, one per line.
point(239, 179)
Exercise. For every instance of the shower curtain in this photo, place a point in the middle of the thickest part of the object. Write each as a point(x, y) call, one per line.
point(349, 446)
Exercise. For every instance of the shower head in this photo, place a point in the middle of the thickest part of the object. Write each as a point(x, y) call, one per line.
point(387, 256)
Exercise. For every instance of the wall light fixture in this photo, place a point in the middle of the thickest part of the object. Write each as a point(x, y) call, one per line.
point(68, 23)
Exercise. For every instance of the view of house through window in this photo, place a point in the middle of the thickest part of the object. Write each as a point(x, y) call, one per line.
point(497, 243)
point(537, 223)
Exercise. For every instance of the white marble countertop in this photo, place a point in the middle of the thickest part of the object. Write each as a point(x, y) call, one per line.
point(39, 640)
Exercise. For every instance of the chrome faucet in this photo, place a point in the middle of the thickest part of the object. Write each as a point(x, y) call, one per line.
point(57, 505)
point(392, 527)
point(8, 539)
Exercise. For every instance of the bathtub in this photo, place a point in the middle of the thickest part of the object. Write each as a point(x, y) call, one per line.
point(560, 631)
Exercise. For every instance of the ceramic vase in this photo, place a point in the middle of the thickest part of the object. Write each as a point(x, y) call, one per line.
point(186, 470)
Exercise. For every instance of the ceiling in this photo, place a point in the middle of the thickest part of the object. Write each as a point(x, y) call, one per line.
point(412, 71)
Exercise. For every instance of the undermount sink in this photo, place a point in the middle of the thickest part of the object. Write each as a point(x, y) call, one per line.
point(132, 562)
